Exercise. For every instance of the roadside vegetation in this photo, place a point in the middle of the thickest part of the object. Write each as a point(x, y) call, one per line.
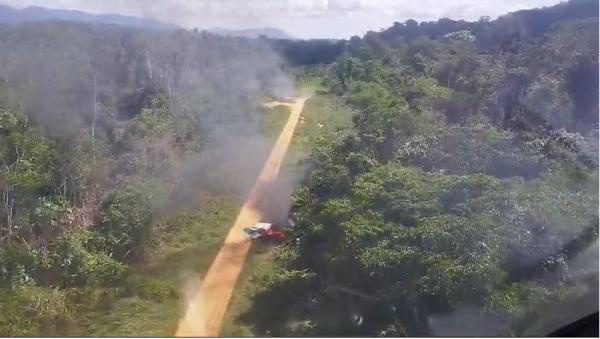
point(151, 299)
point(323, 114)
point(466, 187)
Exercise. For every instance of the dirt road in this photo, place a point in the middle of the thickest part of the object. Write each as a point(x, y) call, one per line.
point(207, 308)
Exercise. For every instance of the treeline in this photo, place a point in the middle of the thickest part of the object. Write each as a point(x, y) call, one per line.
point(466, 192)
point(501, 34)
point(95, 122)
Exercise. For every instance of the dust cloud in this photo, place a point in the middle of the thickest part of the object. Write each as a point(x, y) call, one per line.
point(190, 284)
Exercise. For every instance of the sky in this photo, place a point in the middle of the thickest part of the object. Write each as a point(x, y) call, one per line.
point(300, 18)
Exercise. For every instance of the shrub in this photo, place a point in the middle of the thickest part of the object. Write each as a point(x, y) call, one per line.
point(100, 269)
point(127, 223)
point(75, 265)
point(33, 311)
point(17, 266)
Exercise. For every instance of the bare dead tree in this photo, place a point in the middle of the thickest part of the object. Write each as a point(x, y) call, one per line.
point(8, 189)
point(149, 64)
point(95, 103)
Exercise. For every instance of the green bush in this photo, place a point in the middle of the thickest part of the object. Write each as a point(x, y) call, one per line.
point(100, 269)
point(75, 265)
point(33, 311)
point(49, 209)
point(17, 266)
point(127, 223)
point(153, 121)
point(66, 259)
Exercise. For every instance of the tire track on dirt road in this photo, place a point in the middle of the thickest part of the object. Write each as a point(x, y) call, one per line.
point(205, 312)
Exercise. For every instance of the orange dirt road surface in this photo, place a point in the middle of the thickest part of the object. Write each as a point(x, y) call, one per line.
point(206, 310)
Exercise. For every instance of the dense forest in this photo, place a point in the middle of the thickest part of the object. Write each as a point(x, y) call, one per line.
point(464, 199)
point(465, 190)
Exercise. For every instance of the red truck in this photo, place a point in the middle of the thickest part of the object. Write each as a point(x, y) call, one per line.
point(264, 230)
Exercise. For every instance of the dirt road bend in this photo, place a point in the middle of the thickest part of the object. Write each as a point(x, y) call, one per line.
point(206, 310)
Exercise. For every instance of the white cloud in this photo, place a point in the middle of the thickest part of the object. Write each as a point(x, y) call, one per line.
point(302, 18)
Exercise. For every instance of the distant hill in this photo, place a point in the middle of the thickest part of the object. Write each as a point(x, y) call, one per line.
point(269, 32)
point(9, 15)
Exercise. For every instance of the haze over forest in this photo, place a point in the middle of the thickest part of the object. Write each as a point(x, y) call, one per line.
point(441, 171)
point(301, 19)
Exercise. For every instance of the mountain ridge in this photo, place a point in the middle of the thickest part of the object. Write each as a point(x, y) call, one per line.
point(10, 15)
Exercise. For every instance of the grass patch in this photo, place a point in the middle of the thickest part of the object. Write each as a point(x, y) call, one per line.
point(192, 239)
point(272, 120)
point(130, 316)
point(322, 114)
point(149, 301)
